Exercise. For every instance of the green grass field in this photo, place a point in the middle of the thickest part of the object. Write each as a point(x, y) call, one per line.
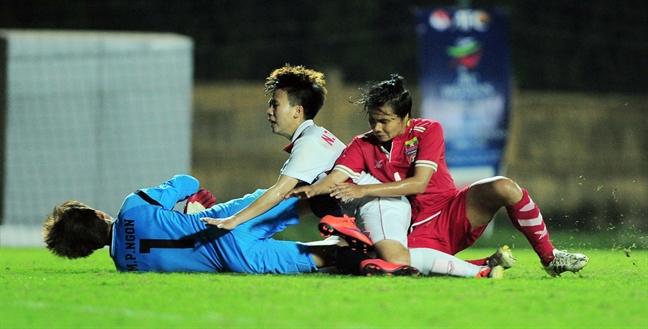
point(43, 291)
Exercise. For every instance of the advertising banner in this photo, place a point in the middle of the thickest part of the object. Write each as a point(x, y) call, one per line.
point(466, 85)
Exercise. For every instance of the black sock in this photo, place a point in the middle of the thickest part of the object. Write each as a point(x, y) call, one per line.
point(347, 261)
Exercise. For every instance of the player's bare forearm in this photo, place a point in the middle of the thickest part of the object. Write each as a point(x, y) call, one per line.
point(400, 188)
point(415, 184)
point(265, 202)
point(307, 192)
point(256, 208)
point(408, 186)
point(320, 187)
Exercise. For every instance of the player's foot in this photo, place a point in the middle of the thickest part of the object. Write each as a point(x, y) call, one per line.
point(503, 257)
point(564, 261)
point(496, 272)
point(346, 228)
point(376, 266)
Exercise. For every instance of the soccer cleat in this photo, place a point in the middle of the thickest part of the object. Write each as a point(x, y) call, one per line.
point(564, 261)
point(503, 257)
point(346, 228)
point(496, 272)
point(376, 266)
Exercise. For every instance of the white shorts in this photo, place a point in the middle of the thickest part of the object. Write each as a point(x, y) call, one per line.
point(381, 218)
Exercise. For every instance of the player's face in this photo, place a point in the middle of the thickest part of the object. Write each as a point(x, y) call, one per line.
point(282, 115)
point(385, 124)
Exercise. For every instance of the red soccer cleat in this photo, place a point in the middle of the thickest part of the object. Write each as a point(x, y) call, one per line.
point(496, 272)
point(345, 228)
point(376, 266)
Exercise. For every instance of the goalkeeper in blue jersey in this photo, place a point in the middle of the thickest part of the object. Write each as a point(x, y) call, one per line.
point(148, 235)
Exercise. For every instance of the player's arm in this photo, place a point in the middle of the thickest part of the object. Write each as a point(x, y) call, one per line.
point(169, 193)
point(408, 186)
point(322, 186)
point(265, 202)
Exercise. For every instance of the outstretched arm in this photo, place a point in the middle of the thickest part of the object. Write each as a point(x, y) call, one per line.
point(265, 202)
point(322, 186)
point(408, 186)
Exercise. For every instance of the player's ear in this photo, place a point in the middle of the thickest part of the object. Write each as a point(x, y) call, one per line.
point(299, 111)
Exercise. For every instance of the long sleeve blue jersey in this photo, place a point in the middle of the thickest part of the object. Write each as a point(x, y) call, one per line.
point(151, 236)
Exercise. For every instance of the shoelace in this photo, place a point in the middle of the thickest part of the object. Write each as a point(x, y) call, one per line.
point(348, 219)
point(562, 258)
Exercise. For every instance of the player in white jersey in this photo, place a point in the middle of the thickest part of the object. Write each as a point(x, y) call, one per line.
point(297, 95)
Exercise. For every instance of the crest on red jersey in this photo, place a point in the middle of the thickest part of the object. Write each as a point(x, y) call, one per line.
point(411, 148)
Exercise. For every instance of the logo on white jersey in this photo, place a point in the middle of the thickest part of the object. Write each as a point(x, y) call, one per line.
point(328, 137)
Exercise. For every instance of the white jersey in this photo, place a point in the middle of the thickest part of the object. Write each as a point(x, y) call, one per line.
point(313, 151)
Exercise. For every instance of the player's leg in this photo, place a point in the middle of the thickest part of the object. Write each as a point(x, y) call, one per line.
point(285, 257)
point(361, 224)
point(433, 262)
point(385, 221)
point(434, 241)
point(484, 198)
point(323, 255)
point(438, 235)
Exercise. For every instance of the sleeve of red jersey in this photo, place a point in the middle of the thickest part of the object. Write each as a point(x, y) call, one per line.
point(431, 146)
point(351, 161)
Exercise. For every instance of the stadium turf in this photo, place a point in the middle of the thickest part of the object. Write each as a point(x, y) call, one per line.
point(43, 291)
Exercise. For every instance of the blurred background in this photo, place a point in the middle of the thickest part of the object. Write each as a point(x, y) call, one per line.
point(577, 139)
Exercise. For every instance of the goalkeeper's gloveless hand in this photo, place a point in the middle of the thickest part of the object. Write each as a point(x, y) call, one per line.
point(199, 201)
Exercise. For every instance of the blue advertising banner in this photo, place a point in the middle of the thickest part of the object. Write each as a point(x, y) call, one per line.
point(466, 85)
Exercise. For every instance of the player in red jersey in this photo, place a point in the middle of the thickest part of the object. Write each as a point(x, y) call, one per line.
point(408, 156)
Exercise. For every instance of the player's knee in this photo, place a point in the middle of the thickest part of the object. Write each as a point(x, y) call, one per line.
point(506, 190)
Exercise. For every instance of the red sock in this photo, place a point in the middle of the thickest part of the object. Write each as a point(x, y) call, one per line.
point(478, 262)
point(526, 217)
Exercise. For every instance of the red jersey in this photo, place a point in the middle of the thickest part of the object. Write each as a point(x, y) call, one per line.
point(421, 144)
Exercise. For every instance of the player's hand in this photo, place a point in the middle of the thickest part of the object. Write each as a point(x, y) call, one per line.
point(225, 223)
point(302, 192)
point(346, 191)
point(199, 201)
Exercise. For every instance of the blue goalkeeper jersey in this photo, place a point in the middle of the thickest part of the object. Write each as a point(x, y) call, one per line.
point(148, 235)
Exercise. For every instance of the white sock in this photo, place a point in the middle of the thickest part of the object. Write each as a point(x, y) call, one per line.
point(434, 262)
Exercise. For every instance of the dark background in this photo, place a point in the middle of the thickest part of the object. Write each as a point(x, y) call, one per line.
point(567, 45)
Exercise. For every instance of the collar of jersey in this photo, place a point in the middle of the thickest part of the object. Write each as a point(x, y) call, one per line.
point(405, 135)
point(298, 133)
point(300, 129)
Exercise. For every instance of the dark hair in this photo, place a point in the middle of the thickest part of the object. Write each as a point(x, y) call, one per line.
point(304, 87)
point(391, 93)
point(74, 230)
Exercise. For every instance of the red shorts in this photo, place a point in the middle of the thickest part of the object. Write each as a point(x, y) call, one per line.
point(447, 230)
